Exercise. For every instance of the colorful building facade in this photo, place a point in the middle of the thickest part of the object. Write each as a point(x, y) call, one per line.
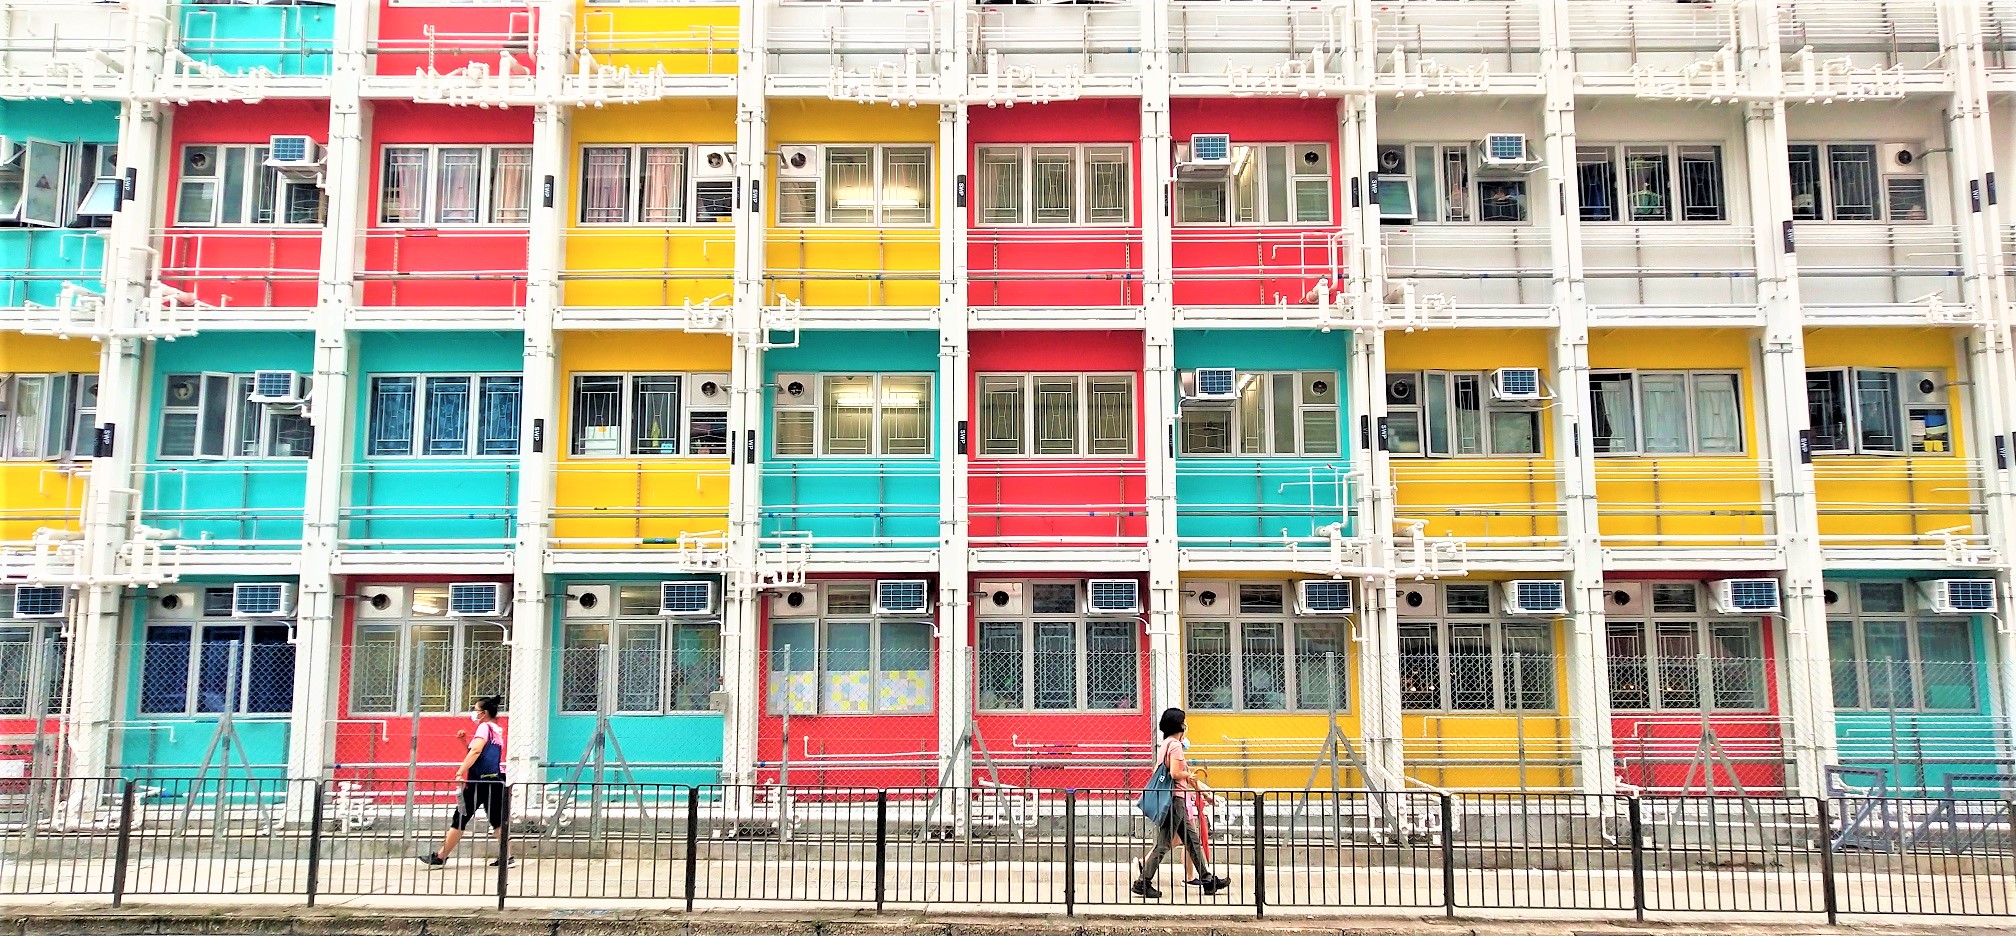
point(1506, 394)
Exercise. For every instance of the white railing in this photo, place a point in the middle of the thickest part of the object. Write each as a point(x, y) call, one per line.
point(1455, 45)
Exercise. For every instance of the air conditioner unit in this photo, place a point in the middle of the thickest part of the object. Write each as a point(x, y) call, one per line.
point(1503, 149)
point(714, 162)
point(588, 601)
point(1210, 149)
point(475, 599)
point(1745, 596)
point(293, 151)
point(1623, 597)
point(1535, 596)
point(795, 602)
point(1325, 596)
point(1941, 596)
point(707, 391)
point(381, 602)
point(262, 600)
point(1515, 383)
point(276, 386)
point(1417, 599)
point(1113, 596)
point(41, 601)
point(1924, 388)
point(902, 596)
point(798, 162)
point(999, 599)
point(689, 598)
point(1212, 384)
point(1902, 158)
point(1207, 599)
point(175, 603)
point(795, 388)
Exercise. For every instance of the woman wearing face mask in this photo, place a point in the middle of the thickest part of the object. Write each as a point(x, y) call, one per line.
point(1197, 802)
point(1176, 823)
point(482, 777)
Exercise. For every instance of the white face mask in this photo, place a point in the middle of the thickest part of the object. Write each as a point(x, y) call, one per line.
point(476, 717)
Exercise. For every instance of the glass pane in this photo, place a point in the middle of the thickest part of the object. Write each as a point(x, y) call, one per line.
point(1108, 185)
point(1906, 199)
point(217, 405)
point(1701, 190)
point(1529, 667)
point(1809, 198)
point(1112, 416)
point(654, 414)
point(1053, 175)
point(1455, 185)
point(661, 185)
point(1056, 415)
point(1612, 420)
point(1000, 185)
point(1515, 432)
point(511, 186)
point(1718, 415)
point(403, 195)
point(1205, 431)
point(1435, 388)
point(269, 671)
point(1001, 415)
point(906, 414)
point(792, 433)
point(849, 417)
point(486, 666)
point(1662, 400)
point(906, 185)
point(1852, 169)
point(164, 671)
point(1112, 666)
point(447, 421)
point(1420, 668)
point(1890, 669)
point(1201, 201)
point(1470, 668)
point(1630, 687)
point(374, 669)
point(1207, 667)
point(1679, 667)
point(1321, 663)
point(1468, 392)
point(458, 190)
point(1502, 200)
point(1879, 420)
point(1056, 665)
point(605, 185)
point(1276, 158)
point(1736, 666)
point(1948, 670)
point(903, 676)
point(1645, 174)
point(1264, 665)
point(1827, 410)
point(1282, 388)
point(497, 417)
point(1000, 665)
point(850, 185)
point(598, 415)
point(1427, 192)
point(1596, 182)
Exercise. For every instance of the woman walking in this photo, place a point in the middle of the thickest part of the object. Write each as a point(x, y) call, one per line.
point(1176, 822)
point(482, 777)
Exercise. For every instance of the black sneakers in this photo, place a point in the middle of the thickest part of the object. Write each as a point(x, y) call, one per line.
point(1214, 884)
point(1145, 889)
point(511, 861)
point(433, 860)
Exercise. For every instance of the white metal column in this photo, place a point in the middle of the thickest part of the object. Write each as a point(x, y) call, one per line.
point(1158, 395)
point(955, 659)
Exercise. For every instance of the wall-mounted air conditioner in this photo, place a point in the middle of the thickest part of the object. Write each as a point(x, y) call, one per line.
point(1745, 596)
point(279, 387)
point(1209, 150)
point(293, 151)
point(1211, 385)
point(1325, 596)
point(1958, 596)
point(1535, 596)
point(902, 596)
point(689, 598)
point(1513, 384)
point(1503, 149)
point(475, 599)
point(41, 601)
point(999, 599)
point(1113, 596)
point(262, 599)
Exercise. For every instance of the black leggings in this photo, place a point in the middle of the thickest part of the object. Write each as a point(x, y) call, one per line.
point(489, 793)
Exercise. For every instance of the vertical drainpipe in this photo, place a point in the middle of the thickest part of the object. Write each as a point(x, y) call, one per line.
point(742, 609)
point(955, 663)
point(531, 632)
point(129, 266)
point(1588, 697)
point(1782, 387)
point(1158, 399)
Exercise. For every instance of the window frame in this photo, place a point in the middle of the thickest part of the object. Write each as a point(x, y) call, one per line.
point(64, 432)
point(406, 682)
point(1851, 404)
point(41, 676)
point(1081, 622)
point(1825, 184)
point(815, 406)
point(1269, 413)
point(1082, 161)
point(1496, 625)
point(416, 438)
point(1701, 625)
point(669, 688)
point(1082, 442)
point(1293, 628)
point(1231, 188)
point(81, 170)
point(258, 175)
point(1475, 177)
point(1690, 381)
point(1421, 411)
point(489, 163)
point(266, 441)
point(685, 416)
point(1618, 179)
point(690, 186)
point(822, 623)
point(194, 665)
point(1914, 621)
point(878, 157)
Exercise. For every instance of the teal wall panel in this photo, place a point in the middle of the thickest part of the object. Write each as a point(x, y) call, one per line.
point(239, 499)
point(283, 40)
point(153, 744)
point(35, 263)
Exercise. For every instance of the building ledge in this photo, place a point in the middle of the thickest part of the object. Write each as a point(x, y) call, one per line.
point(1013, 559)
point(1727, 557)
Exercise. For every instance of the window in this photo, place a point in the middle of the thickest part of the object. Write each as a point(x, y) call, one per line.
point(213, 416)
point(650, 414)
point(1856, 182)
point(1053, 185)
point(1052, 657)
point(1468, 662)
point(850, 661)
point(852, 415)
point(652, 664)
point(858, 186)
point(443, 415)
point(1682, 659)
point(1447, 191)
point(449, 185)
point(1444, 414)
point(221, 185)
point(1666, 413)
point(1888, 653)
point(33, 652)
point(50, 184)
point(1056, 415)
point(1277, 413)
point(190, 669)
point(1878, 411)
point(1276, 183)
point(1661, 182)
point(656, 185)
point(427, 663)
point(1253, 655)
point(47, 417)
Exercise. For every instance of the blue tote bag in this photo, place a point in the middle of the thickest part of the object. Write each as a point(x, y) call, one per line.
point(1154, 802)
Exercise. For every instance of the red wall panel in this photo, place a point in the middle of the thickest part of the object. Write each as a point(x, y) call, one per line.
point(461, 36)
point(253, 265)
point(443, 267)
point(1058, 265)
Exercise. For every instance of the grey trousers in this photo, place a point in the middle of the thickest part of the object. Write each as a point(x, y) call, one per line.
point(1175, 825)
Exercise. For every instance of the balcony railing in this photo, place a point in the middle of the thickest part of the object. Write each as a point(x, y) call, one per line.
point(1895, 34)
point(832, 505)
point(1238, 45)
point(1504, 504)
point(1710, 267)
point(443, 268)
point(1475, 267)
point(1696, 501)
point(236, 267)
point(227, 505)
point(59, 48)
point(1923, 502)
point(1091, 503)
point(1456, 46)
point(632, 504)
point(1850, 265)
point(1039, 267)
point(1257, 267)
point(1618, 38)
point(411, 504)
point(1060, 41)
point(1244, 504)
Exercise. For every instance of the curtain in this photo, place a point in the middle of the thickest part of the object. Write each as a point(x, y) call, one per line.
point(1662, 404)
point(1718, 415)
point(511, 186)
point(605, 185)
point(458, 190)
point(405, 188)
point(662, 188)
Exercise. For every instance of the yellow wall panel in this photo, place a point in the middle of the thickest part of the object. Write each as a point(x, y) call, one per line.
point(839, 266)
point(37, 494)
point(1495, 750)
point(1869, 500)
point(629, 266)
point(41, 354)
point(683, 39)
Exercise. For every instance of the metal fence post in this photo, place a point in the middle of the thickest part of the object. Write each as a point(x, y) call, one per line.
point(315, 842)
point(504, 854)
point(124, 848)
point(1636, 811)
point(1448, 856)
point(692, 844)
point(1259, 854)
point(1070, 852)
point(1828, 896)
point(881, 845)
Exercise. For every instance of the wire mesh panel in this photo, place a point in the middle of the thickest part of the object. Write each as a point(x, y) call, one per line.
point(1541, 851)
point(201, 835)
point(59, 836)
point(1732, 854)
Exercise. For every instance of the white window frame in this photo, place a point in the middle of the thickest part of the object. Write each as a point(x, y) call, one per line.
point(822, 625)
point(38, 674)
point(63, 428)
point(691, 188)
point(813, 408)
point(1498, 629)
point(192, 704)
point(1906, 417)
point(1617, 155)
point(1082, 440)
point(1882, 211)
point(1234, 205)
point(636, 609)
point(257, 175)
point(878, 211)
point(81, 171)
point(1436, 169)
point(490, 158)
point(1850, 614)
point(686, 417)
point(1235, 619)
point(1420, 414)
point(416, 437)
point(461, 647)
point(1028, 625)
point(1690, 381)
point(1265, 383)
point(1083, 157)
point(265, 438)
point(1670, 611)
